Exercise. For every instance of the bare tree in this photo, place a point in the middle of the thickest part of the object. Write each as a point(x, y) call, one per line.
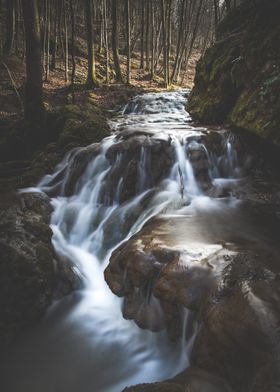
point(91, 76)
point(34, 109)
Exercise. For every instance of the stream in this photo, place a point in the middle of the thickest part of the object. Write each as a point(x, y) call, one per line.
point(156, 163)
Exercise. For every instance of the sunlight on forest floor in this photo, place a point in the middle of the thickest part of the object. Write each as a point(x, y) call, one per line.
point(56, 91)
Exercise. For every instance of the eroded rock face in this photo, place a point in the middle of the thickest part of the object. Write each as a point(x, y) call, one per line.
point(27, 273)
point(229, 281)
point(237, 79)
point(142, 162)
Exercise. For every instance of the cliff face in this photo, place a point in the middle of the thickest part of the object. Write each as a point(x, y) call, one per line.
point(238, 79)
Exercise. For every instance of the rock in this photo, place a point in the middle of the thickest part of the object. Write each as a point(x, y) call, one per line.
point(159, 268)
point(30, 274)
point(156, 387)
point(230, 283)
point(237, 79)
point(27, 270)
point(141, 161)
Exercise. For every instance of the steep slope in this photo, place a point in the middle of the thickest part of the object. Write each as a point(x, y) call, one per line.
point(238, 79)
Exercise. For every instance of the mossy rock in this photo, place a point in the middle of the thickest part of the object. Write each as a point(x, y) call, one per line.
point(238, 79)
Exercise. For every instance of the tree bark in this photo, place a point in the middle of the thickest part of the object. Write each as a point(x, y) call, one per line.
point(72, 16)
point(115, 41)
point(91, 76)
point(66, 77)
point(106, 39)
point(128, 39)
point(142, 33)
point(163, 17)
point(34, 109)
point(10, 31)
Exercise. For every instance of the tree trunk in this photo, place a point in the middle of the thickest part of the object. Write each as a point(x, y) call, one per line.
point(115, 41)
point(72, 16)
point(142, 33)
point(55, 25)
point(152, 40)
point(148, 35)
point(128, 64)
point(165, 71)
point(66, 44)
point(106, 39)
point(91, 76)
point(10, 31)
point(34, 109)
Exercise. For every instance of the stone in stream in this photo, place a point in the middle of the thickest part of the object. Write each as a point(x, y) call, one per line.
point(231, 285)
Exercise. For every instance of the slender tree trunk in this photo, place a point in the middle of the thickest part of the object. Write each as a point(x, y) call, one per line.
point(168, 49)
point(152, 40)
point(179, 39)
point(91, 76)
point(142, 33)
point(17, 26)
point(1, 29)
point(115, 41)
point(66, 71)
point(163, 17)
point(148, 35)
point(48, 28)
point(216, 13)
point(128, 39)
point(55, 25)
point(10, 30)
point(106, 39)
point(45, 23)
point(72, 16)
point(34, 109)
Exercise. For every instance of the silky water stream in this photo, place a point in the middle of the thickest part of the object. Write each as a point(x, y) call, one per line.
point(84, 343)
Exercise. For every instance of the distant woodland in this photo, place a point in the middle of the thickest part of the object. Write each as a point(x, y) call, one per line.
point(157, 36)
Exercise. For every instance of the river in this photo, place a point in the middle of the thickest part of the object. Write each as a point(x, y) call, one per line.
point(100, 200)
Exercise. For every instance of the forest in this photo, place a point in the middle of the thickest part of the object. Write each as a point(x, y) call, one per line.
point(139, 195)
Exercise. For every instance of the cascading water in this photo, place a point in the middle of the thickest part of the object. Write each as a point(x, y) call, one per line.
point(84, 341)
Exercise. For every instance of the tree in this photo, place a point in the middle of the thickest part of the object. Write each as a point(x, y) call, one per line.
point(34, 109)
point(10, 30)
point(73, 73)
point(115, 41)
point(165, 62)
point(91, 76)
point(128, 48)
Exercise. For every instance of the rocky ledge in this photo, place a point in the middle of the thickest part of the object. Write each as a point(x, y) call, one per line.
point(237, 80)
point(229, 284)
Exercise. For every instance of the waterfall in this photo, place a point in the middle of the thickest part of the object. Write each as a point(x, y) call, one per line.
point(94, 213)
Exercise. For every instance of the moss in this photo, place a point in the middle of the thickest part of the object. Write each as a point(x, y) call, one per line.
point(238, 79)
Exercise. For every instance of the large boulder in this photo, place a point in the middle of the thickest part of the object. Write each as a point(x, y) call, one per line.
point(27, 268)
point(227, 278)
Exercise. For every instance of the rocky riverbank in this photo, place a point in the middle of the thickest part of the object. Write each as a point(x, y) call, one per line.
point(31, 275)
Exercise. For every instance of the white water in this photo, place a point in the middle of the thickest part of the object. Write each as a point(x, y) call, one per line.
point(88, 344)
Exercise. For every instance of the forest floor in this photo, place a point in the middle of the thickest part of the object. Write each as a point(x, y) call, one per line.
point(68, 123)
point(58, 93)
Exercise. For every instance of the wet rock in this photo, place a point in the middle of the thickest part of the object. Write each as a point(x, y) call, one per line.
point(237, 79)
point(30, 274)
point(27, 273)
point(156, 387)
point(152, 269)
point(231, 286)
point(140, 163)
